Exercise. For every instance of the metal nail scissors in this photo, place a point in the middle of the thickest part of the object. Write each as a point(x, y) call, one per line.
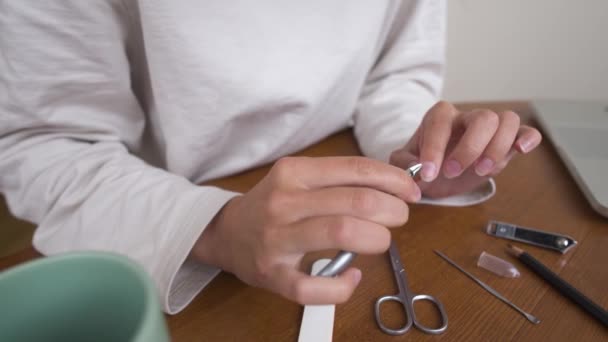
point(407, 299)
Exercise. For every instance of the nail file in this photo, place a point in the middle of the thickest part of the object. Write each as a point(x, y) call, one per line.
point(318, 320)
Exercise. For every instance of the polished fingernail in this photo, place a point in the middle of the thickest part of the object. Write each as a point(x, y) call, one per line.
point(428, 172)
point(485, 166)
point(452, 169)
point(357, 276)
point(525, 145)
point(417, 194)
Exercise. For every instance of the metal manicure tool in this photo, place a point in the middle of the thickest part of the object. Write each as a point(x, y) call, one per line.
point(343, 259)
point(554, 241)
point(407, 298)
point(528, 316)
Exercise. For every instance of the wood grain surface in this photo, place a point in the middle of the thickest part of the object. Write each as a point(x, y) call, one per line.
point(534, 191)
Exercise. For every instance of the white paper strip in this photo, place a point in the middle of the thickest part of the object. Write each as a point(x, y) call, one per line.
point(318, 320)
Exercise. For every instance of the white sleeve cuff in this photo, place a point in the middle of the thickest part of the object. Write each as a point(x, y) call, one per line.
point(187, 282)
point(186, 278)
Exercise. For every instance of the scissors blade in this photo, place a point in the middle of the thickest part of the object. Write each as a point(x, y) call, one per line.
point(396, 263)
point(414, 169)
point(399, 273)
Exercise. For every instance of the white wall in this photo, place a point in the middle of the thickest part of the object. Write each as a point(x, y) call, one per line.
point(518, 49)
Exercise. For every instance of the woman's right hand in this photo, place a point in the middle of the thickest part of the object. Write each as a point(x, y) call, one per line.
point(303, 205)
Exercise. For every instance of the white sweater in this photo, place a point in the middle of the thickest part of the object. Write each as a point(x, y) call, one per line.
point(111, 111)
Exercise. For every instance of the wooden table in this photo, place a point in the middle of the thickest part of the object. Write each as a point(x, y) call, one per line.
point(534, 191)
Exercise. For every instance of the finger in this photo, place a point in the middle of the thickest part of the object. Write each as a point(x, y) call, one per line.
point(310, 290)
point(528, 138)
point(364, 203)
point(403, 158)
point(409, 154)
point(531, 138)
point(480, 127)
point(436, 131)
point(503, 163)
point(500, 144)
point(335, 232)
point(315, 173)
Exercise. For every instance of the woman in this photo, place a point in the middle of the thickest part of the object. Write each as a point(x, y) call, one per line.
point(112, 111)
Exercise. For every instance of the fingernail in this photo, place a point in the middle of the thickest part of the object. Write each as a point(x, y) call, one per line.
point(428, 172)
point(485, 166)
point(417, 194)
point(525, 145)
point(452, 169)
point(357, 276)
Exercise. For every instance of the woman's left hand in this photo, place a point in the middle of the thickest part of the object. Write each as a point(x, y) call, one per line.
point(461, 150)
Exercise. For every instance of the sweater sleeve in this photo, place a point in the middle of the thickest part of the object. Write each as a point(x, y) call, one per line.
point(406, 79)
point(68, 121)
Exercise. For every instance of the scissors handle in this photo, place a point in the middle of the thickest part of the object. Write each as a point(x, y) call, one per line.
point(444, 317)
point(409, 320)
point(410, 314)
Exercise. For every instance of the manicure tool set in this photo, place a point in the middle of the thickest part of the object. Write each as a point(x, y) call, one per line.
point(405, 297)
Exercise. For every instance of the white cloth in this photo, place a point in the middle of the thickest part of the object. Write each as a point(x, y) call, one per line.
point(111, 111)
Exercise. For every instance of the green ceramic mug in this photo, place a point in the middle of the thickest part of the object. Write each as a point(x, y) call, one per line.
point(80, 296)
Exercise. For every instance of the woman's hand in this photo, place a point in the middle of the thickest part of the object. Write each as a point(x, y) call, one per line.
point(304, 205)
point(460, 150)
